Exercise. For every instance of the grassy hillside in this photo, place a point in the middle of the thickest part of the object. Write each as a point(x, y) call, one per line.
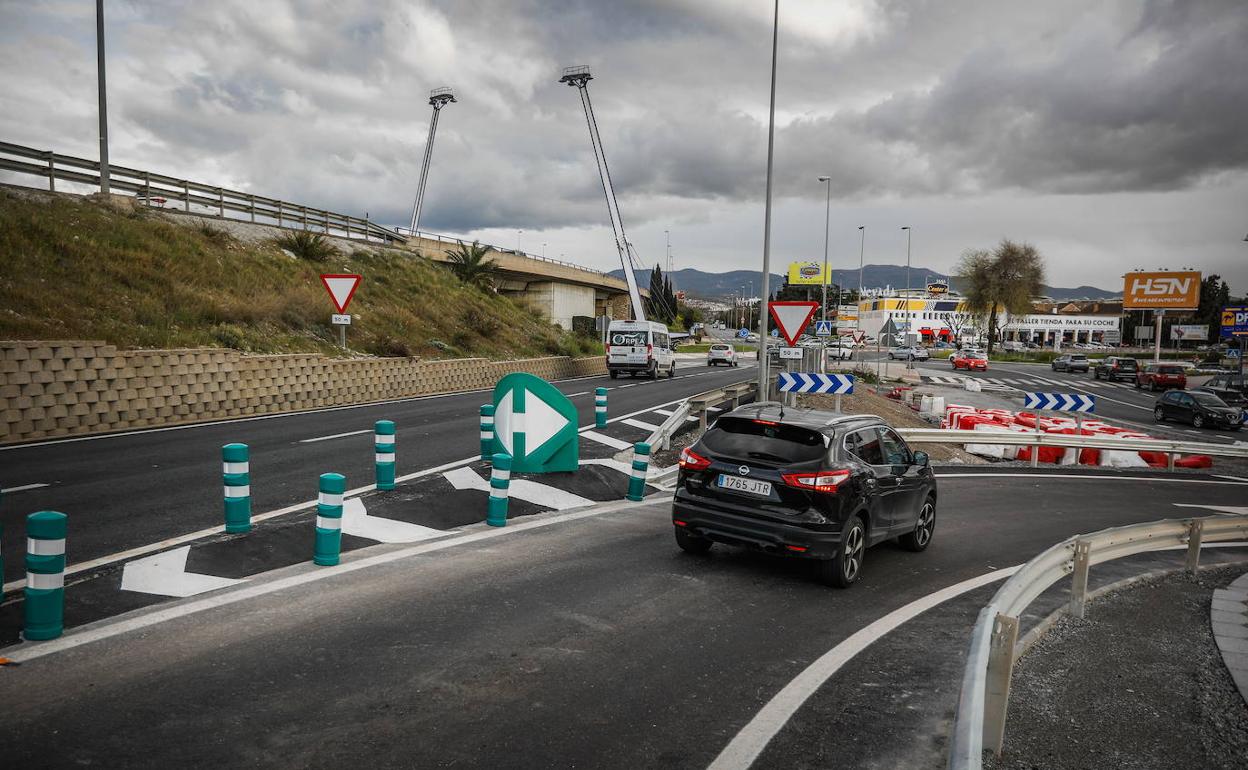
point(73, 269)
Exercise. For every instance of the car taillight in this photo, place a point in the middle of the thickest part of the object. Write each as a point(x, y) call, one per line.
point(823, 481)
point(649, 350)
point(692, 461)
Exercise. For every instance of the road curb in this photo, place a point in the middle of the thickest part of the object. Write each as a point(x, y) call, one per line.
point(1228, 613)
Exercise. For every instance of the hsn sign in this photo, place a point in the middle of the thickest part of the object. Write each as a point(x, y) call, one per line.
point(1162, 291)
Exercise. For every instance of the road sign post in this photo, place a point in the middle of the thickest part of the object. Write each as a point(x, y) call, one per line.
point(43, 611)
point(236, 475)
point(341, 288)
point(535, 424)
point(500, 487)
point(328, 544)
point(641, 465)
point(383, 453)
point(487, 430)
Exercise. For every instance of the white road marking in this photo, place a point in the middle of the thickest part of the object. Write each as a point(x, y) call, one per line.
point(356, 521)
point(165, 575)
point(640, 424)
point(23, 488)
point(522, 489)
point(1236, 478)
point(581, 393)
point(614, 443)
point(306, 573)
point(336, 435)
point(745, 747)
point(1229, 510)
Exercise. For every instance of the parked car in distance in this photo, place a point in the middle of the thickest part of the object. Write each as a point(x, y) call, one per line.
point(1012, 345)
point(1231, 388)
point(803, 483)
point(942, 345)
point(1071, 362)
point(721, 353)
point(1161, 377)
point(840, 350)
point(909, 353)
point(1199, 408)
point(969, 361)
point(1114, 368)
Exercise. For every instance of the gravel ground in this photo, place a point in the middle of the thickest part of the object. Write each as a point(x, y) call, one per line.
point(1138, 683)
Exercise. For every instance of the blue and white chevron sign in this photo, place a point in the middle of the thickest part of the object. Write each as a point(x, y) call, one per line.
point(1060, 402)
point(807, 382)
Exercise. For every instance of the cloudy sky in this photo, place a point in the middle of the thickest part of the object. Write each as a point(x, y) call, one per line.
point(1112, 135)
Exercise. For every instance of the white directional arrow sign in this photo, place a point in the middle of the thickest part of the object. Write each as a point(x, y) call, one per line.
point(165, 575)
point(356, 521)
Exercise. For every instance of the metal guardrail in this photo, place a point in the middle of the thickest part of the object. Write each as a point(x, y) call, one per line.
point(1036, 440)
point(695, 406)
point(982, 704)
point(152, 188)
point(440, 238)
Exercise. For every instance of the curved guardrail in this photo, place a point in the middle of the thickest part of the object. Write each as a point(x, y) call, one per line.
point(980, 722)
point(1169, 448)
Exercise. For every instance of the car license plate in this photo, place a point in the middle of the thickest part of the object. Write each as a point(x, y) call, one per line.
point(748, 486)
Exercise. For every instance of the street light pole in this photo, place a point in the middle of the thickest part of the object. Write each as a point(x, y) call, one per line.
point(763, 379)
point(99, 66)
point(862, 250)
point(906, 302)
point(827, 217)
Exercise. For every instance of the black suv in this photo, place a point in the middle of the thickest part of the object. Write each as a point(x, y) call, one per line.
point(806, 483)
point(1116, 368)
point(1231, 388)
point(1199, 408)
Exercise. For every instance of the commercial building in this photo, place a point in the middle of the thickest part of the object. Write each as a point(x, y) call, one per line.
point(946, 318)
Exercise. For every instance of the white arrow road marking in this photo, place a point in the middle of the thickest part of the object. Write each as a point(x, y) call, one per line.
point(1231, 509)
point(165, 575)
point(522, 489)
point(356, 521)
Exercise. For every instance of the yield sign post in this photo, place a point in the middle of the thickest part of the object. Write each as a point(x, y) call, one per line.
point(341, 288)
point(792, 317)
point(535, 424)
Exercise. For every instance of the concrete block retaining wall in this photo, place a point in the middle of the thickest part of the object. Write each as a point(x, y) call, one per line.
point(61, 388)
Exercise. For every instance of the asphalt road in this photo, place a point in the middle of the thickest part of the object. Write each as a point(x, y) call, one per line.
point(590, 642)
point(126, 490)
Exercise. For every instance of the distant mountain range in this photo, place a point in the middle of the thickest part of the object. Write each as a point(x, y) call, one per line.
point(722, 286)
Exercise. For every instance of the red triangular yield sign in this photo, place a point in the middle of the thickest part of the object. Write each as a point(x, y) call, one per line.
point(341, 289)
point(792, 317)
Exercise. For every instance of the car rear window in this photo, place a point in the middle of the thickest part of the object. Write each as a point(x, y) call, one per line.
point(1078, 357)
point(719, 347)
point(1126, 363)
point(764, 440)
point(1169, 370)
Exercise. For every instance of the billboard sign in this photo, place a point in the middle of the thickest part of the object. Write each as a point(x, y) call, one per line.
point(938, 287)
point(1143, 332)
point(1235, 321)
point(1190, 333)
point(1161, 291)
point(805, 273)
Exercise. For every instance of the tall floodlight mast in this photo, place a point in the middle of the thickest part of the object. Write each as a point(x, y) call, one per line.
point(579, 77)
point(438, 98)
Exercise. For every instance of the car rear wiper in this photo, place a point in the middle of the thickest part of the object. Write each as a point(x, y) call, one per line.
point(766, 456)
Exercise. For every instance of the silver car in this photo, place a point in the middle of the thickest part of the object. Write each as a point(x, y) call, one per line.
point(904, 353)
point(721, 353)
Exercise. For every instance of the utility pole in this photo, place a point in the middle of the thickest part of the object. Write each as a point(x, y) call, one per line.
point(827, 218)
point(99, 66)
point(438, 98)
point(763, 379)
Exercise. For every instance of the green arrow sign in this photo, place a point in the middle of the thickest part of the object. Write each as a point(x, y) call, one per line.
point(535, 424)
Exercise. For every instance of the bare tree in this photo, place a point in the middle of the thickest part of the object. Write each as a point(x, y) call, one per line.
point(1004, 280)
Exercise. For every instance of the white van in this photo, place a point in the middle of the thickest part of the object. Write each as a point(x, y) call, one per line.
point(639, 347)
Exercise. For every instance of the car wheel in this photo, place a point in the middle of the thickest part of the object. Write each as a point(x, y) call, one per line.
point(691, 543)
point(1198, 421)
point(921, 537)
point(844, 569)
point(671, 373)
point(1054, 367)
point(1138, 386)
point(614, 374)
point(1159, 414)
point(654, 372)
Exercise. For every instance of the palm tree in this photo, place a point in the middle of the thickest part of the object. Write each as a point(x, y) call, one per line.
point(471, 266)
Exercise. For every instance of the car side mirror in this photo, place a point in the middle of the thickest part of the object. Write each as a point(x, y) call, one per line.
point(921, 458)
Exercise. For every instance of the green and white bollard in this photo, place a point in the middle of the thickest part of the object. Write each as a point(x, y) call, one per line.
point(383, 448)
point(641, 463)
point(600, 407)
point(487, 430)
point(500, 485)
point(329, 519)
point(236, 472)
point(44, 607)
